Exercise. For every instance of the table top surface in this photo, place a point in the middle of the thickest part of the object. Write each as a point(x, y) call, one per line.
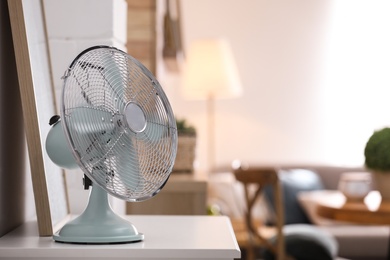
point(372, 210)
point(166, 237)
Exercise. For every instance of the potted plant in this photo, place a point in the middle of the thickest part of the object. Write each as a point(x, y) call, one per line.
point(377, 160)
point(185, 156)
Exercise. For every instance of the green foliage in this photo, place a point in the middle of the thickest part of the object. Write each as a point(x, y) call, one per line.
point(184, 129)
point(377, 151)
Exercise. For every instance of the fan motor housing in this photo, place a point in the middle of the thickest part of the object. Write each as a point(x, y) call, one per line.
point(58, 149)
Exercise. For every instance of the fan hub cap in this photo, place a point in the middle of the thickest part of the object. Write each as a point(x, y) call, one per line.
point(135, 117)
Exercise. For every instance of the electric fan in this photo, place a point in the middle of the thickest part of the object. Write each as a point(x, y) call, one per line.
point(117, 125)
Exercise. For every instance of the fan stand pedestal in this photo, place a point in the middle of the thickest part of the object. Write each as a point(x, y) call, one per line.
point(98, 224)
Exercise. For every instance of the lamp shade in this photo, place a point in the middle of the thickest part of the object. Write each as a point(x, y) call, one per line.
point(210, 71)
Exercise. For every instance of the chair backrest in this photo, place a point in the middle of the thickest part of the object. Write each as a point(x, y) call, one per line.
point(261, 177)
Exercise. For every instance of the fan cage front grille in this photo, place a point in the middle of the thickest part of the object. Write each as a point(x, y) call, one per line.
point(131, 165)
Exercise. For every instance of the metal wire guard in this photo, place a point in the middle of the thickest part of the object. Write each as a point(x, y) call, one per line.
point(119, 123)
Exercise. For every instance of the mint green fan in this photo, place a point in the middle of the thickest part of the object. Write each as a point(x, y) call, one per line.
point(117, 125)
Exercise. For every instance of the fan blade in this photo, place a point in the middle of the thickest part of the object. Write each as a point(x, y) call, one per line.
point(126, 177)
point(90, 129)
point(130, 173)
point(90, 120)
point(111, 73)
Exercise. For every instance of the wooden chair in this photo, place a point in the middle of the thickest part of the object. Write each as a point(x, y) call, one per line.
point(260, 177)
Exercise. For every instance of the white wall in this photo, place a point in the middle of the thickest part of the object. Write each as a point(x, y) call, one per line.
point(355, 87)
point(73, 26)
point(306, 81)
point(302, 67)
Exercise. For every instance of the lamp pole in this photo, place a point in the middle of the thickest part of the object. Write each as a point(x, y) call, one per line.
point(210, 73)
point(211, 132)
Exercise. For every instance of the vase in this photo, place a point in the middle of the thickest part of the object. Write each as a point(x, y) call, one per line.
point(382, 181)
point(355, 185)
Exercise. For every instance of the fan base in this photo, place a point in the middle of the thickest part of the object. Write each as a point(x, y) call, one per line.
point(98, 224)
point(98, 240)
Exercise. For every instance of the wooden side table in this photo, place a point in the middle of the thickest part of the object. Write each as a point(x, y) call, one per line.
point(370, 211)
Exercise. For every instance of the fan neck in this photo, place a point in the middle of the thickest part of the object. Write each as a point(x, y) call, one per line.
point(98, 203)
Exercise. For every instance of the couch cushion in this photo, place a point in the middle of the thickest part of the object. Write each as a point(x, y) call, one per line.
point(293, 181)
point(307, 242)
point(360, 242)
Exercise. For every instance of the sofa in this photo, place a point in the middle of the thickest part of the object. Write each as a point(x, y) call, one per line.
point(356, 242)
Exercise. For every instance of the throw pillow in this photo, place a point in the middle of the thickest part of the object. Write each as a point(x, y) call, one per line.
point(293, 181)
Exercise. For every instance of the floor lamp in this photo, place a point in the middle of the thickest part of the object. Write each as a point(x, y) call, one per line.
point(210, 73)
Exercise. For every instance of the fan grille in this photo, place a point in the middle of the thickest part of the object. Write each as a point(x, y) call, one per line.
point(119, 123)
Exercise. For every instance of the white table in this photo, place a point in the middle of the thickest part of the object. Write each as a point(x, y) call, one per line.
point(166, 237)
